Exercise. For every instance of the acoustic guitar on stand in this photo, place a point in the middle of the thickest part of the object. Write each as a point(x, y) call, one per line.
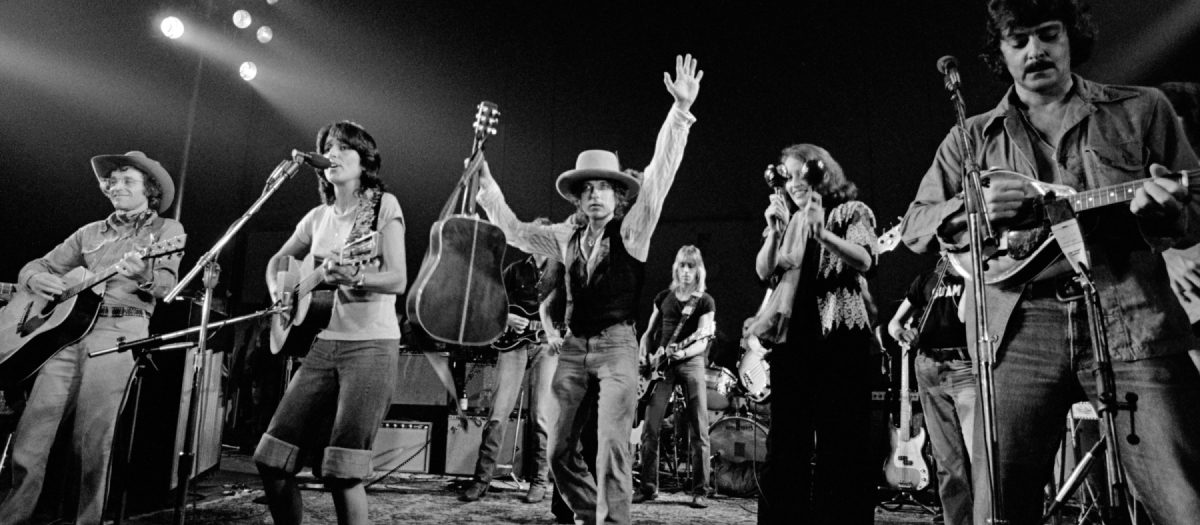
point(33, 329)
point(309, 301)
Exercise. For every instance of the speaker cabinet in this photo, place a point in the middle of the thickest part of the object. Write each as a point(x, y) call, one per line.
point(402, 446)
point(462, 446)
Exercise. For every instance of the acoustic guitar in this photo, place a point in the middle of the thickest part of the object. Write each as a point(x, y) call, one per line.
point(458, 297)
point(905, 467)
point(1026, 250)
point(33, 329)
point(309, 300)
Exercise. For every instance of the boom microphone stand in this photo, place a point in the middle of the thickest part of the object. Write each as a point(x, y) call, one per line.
point(979, 230)
point(208, 263)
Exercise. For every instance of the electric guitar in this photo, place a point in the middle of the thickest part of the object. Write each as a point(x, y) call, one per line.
point(512, 338)
point(754, 371)
point(309, 301)
point(658, 362)
point(33, 329)
point(1027, 249)
point(905, 467)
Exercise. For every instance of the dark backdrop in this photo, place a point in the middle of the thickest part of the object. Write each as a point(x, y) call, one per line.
point(80, 78)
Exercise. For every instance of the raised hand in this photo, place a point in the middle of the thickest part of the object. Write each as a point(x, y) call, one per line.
point(686, 84)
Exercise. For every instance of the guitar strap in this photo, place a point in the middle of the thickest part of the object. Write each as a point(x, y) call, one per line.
point(688, 308)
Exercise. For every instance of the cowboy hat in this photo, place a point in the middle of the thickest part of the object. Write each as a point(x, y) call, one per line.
point(595, 164)
point(104, 165)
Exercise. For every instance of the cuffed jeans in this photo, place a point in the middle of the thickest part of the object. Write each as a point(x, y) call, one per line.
point(947, 389)
point(71, 384)
point(510, 368)
point(607, 362)
point(333, 407)
point(691, 374)
point(1044, 365)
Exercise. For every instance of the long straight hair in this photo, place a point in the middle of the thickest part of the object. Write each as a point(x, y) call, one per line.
point(689, 254)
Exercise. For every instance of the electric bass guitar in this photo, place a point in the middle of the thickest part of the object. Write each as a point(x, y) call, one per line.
point(905, 467)
point(33, 329)
point(658, 362)
point(309, 301)
point(512, 338)
point(1027, 249)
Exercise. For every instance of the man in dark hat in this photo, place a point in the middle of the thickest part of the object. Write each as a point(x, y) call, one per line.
point(71, 384)
point(604, 251)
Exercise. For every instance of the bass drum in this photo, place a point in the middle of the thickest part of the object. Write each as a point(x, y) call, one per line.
point(737, 439)
point(719, 382)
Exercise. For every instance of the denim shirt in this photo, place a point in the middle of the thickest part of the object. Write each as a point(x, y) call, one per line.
point(101, 244)
point(1111, 134)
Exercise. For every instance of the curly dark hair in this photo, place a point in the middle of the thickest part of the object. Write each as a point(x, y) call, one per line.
point(834, 188)
point(1007, 14)
point(356, 138)
point(620, 193)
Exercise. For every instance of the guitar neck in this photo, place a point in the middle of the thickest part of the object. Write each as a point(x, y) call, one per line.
point(905, 399)
point(1115, 194)
point(107, 274)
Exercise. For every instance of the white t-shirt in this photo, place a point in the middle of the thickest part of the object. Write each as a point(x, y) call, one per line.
point(357, 315)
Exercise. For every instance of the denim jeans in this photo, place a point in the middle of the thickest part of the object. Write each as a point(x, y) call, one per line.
point(691, 375)
point(948, 392)
point(89, 388)
point(332, 408)
point(606, 362)
point(510, 368)
point(1044, 365)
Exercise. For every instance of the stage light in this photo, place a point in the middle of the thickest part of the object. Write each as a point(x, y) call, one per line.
point(248, 71)
point(172, 27)
point(265, 34)
point(272, 2)
point(241, 18)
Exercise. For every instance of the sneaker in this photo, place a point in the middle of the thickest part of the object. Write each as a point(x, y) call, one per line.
point(474, 491)
point(536, 493)
point(699, 502)
point(642, 497)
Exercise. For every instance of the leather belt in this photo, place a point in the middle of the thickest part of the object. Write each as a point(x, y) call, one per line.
point(958, 353)
point(122, 311)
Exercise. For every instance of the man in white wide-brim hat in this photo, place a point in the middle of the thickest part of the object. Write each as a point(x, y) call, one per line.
point(70, 383)
point(604, 250)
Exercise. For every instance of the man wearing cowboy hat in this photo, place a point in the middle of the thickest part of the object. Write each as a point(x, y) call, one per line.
point(604, 251)
point(90, 389)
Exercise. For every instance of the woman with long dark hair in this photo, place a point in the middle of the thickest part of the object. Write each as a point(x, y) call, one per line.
point(336, 401)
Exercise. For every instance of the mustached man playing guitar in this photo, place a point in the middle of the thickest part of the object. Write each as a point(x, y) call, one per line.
point(684, 319)
point(70, 382)
point(1118, 145)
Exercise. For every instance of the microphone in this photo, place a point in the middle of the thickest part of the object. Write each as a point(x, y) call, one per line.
point(948, 67)
point(313, 159)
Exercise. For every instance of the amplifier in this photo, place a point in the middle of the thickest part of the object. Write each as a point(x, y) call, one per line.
point(402, 446)
point(462, 446)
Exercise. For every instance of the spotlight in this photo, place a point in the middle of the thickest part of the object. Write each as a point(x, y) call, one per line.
point(241, 18)
point(265, 34)
point(272, 2)
point(248, 71)
point(172, 27)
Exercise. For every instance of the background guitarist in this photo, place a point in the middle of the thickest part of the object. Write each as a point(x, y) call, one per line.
point(1059, 127)
point(344, 385)
point(527, 282)
point(685, 361)
point(70, 382)
point(604, 253)
point(945, 380)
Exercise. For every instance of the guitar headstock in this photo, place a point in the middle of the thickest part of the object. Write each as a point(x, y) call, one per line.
point(165, 247)
point(890, 239)
point(360, 251)
point(487, 115)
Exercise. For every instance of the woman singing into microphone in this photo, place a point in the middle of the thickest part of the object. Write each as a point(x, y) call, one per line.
point(819, 257)
point(336, 401)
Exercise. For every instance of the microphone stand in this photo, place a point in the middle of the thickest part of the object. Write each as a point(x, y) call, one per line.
point(979, 231)
point(208, 264)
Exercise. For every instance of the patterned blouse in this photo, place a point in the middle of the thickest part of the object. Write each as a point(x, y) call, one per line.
point(839, 287)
